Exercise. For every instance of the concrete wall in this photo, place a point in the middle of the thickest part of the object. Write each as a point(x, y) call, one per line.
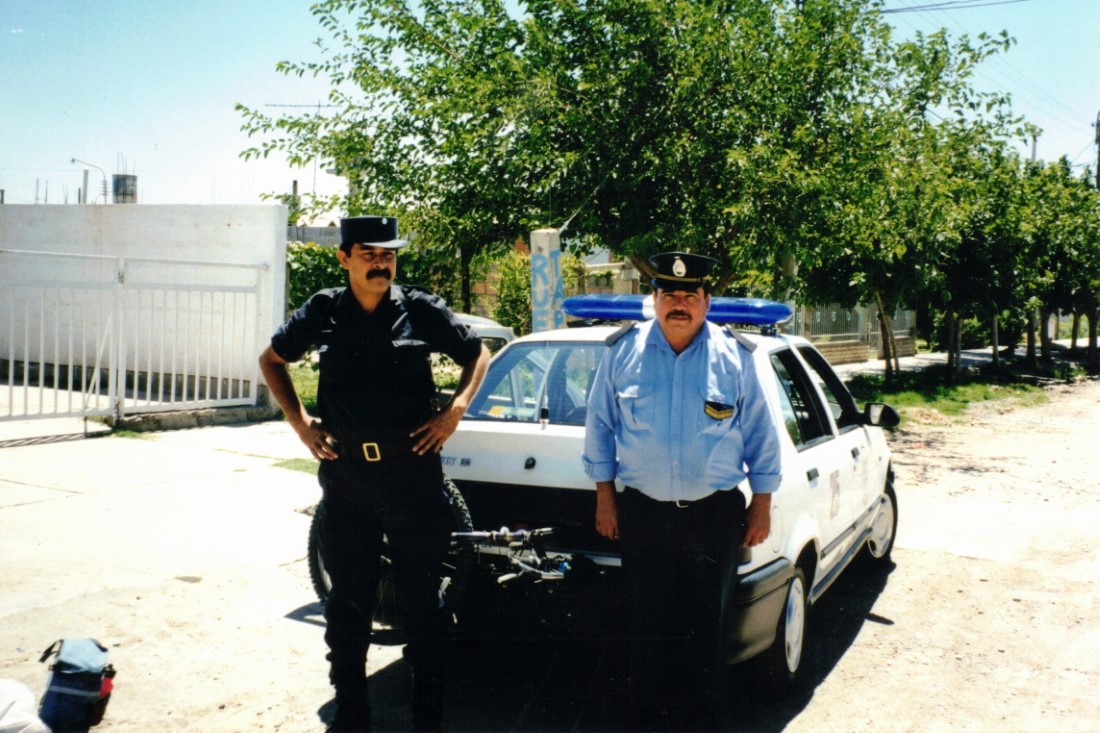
point(216, 236)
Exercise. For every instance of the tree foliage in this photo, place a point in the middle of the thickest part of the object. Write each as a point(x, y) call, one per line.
point(796, 141)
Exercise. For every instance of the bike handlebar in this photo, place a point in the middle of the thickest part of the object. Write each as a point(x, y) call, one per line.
point(504, 536)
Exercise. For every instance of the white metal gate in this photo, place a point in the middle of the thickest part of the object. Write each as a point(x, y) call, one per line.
point(87, 335)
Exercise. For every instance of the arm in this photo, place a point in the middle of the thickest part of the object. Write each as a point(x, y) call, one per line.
point(599, 450)
point(309, 430)
point(607, 510)
point(435, 432)
point(758, 520)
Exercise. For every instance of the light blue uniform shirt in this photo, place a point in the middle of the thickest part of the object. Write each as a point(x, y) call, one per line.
point(649, 424)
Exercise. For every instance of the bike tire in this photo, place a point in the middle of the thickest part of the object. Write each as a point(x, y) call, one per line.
point(454, 574)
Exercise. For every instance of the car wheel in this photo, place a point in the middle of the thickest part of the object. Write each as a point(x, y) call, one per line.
point(452, 578)
point(777, 668)
point(884, 528)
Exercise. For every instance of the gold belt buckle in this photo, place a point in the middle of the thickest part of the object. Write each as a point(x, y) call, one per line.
point(371, 452)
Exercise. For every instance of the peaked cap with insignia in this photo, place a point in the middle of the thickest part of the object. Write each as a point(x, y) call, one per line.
point(370, 231)
point(681, 270)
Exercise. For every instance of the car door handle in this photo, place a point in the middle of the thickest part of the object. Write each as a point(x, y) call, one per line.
point(812, 474)
point(855, 453)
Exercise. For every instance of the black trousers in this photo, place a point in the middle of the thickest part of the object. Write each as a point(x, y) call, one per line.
point(402, 497)
point(677, 563)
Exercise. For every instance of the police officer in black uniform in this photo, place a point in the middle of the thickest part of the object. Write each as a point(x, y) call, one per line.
point(378, 440)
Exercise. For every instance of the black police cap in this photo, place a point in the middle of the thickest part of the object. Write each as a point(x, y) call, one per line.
point(681, 270)
point(370, 231)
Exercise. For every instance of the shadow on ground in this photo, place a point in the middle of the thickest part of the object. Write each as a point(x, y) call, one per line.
point(512, 674)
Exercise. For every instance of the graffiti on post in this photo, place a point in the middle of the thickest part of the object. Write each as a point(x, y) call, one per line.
point(547, 292)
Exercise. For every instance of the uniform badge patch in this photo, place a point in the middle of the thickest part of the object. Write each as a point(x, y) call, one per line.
point(718, 410)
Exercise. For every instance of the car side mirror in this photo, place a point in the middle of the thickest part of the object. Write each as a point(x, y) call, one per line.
point(880, 415)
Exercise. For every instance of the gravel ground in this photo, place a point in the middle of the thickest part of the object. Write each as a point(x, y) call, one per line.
point(184, 552)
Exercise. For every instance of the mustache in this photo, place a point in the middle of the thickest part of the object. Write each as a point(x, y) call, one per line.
point(379, 273)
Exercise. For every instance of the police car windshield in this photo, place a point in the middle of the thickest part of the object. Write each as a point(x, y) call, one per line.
point(529, 377)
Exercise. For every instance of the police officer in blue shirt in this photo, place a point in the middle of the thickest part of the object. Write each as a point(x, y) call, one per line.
point(676, 414)
point(378, 441)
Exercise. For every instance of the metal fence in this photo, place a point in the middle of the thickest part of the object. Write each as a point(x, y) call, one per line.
point(826, 324)
point(88, 336)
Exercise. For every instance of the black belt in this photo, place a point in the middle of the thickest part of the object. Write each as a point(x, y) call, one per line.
point(676, 503)
point(374, 451)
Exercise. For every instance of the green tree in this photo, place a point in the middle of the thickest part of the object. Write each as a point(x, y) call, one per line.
point(734, 128)
point(893, 219)
point(1063, 247)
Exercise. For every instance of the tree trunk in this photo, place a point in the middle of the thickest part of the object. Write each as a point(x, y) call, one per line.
point(949, 321)
point(996, 343)
point(957, 346)
point(1093, 357)
point(891, 365)
point(1031, 360)
point(1076, 330)
point(1045, 313)
point(465, 257)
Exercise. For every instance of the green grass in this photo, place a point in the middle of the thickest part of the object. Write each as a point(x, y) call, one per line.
point(305, 465)
point(304, 375)
point(936, 389)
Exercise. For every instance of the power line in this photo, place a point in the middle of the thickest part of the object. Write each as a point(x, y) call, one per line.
point(1073, 160)
point(953, 5)
point(997, 70)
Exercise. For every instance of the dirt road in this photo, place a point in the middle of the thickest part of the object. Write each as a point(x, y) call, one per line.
point(990, 619)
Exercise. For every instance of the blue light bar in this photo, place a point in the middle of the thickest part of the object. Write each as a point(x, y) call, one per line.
point(605, 306)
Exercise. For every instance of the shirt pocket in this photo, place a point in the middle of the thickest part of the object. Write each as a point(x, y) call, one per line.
point(339, 359)
point(411, 361)
point(636, 407)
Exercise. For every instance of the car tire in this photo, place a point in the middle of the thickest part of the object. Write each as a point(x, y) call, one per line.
point(884, 529)
point(776, 670)
point(453, 575)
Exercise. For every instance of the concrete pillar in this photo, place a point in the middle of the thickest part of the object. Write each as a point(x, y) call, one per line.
point(547, 291)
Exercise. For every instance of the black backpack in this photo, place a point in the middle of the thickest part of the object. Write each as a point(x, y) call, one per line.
point(79, 686)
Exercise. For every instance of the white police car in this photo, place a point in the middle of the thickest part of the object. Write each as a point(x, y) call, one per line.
point(492, 333)
point(516, 458)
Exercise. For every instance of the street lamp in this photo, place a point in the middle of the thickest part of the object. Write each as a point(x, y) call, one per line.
point(82, 162)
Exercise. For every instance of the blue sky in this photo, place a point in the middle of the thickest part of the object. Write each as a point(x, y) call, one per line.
point(149, 87)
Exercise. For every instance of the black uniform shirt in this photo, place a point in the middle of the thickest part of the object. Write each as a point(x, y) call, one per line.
point(376, 378)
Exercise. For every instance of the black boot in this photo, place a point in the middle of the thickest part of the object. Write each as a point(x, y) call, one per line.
point(350, 719)
point(352, 701)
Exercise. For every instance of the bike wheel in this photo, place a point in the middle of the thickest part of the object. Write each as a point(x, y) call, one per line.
point(452, 577)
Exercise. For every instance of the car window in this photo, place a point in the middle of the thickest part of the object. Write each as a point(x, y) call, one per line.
point(790, 417)
point(526, 378)
point(803, 413)
point(843, 407)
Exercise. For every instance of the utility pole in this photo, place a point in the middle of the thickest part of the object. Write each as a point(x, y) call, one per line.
point(101, 172)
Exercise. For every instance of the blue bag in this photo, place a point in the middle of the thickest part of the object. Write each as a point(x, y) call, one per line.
point(79, 686)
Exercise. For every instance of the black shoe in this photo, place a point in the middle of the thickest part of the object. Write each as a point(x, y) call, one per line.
point(351, 717)
point(349, 724)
